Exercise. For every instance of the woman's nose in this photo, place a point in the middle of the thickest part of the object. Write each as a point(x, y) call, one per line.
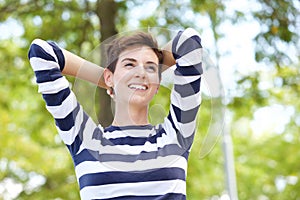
point(140, 71)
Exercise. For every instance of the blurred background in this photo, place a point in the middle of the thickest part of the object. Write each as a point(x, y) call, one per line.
point(255, 46)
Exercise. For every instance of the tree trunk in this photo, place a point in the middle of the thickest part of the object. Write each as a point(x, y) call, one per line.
point(106, 11)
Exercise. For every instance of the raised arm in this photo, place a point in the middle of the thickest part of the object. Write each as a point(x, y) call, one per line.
point(186, 95)
point(48, 61)
point(168, 59)
point(79, 67)
point(83, 69)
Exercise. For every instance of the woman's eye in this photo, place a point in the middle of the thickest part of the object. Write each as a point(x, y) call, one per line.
point(129, 65)
point(151, 68)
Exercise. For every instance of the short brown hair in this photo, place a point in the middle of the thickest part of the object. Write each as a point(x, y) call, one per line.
point(118, 45)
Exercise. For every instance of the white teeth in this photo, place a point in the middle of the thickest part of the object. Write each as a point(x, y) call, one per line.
point(137, 87)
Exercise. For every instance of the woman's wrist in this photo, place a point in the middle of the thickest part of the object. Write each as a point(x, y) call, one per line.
point(168, 59)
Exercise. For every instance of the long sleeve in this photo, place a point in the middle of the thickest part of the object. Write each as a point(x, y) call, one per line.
point(186, 95)
point(47, 61)
point(129, 162)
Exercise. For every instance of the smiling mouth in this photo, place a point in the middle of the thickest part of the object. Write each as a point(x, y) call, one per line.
point(138, 87)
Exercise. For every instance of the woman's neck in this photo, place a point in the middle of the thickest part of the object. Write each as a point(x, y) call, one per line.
point(130, 115)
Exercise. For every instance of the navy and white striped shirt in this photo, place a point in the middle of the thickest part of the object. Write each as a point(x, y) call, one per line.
point(128, 162)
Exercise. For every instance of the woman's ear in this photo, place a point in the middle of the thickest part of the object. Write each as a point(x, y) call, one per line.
point(108, 77)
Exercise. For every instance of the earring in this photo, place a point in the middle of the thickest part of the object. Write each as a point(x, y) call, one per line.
point(110, 92)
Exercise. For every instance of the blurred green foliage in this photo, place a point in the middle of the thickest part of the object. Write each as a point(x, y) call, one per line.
point(37, 164)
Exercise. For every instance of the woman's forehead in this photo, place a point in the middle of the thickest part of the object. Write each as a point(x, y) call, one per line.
point(138, 53)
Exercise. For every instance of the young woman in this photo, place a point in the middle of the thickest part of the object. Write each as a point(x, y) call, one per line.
point(131, 159)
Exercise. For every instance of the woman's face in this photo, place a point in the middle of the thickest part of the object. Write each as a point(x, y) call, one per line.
point(136, 79)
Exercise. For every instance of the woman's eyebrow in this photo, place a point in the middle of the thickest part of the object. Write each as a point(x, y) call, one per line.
point(134, 60)
point(129, 59)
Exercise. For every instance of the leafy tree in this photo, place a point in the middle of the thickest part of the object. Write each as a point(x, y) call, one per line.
point(32, 155)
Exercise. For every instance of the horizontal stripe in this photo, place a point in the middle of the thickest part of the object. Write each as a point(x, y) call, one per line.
point(53, 86)
point(94, 166)
point(188, 46)
point(168, 196)
point(77, 143)
point(171, 117)
point(66, 107)
point(104, 178)
point(111, 148)
point(97, 134)
point(171, 149)
point(56, 98)
point(176, 44)
point(132, 141)
point(37, 51)
point(68, 136)
point(47, 75)
point(186, 34)
point(83, 155)
point(137, 189)
point(185, 139)
point(188, 89)
point(39, 64)
point(171, 130)
point(116, 156)
point(186, 103)
point(192, 58)
point(191, 70)
point(111, 151)
point(131, 127)
point(185, 116)
point(129, 131)
point(186, 129)
point(182, 80)
point(59, 54)
point(181, 131)
point(75, 146)
point(45, 46)
point(169, 137)
point(86, 133)
point(68, 122)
